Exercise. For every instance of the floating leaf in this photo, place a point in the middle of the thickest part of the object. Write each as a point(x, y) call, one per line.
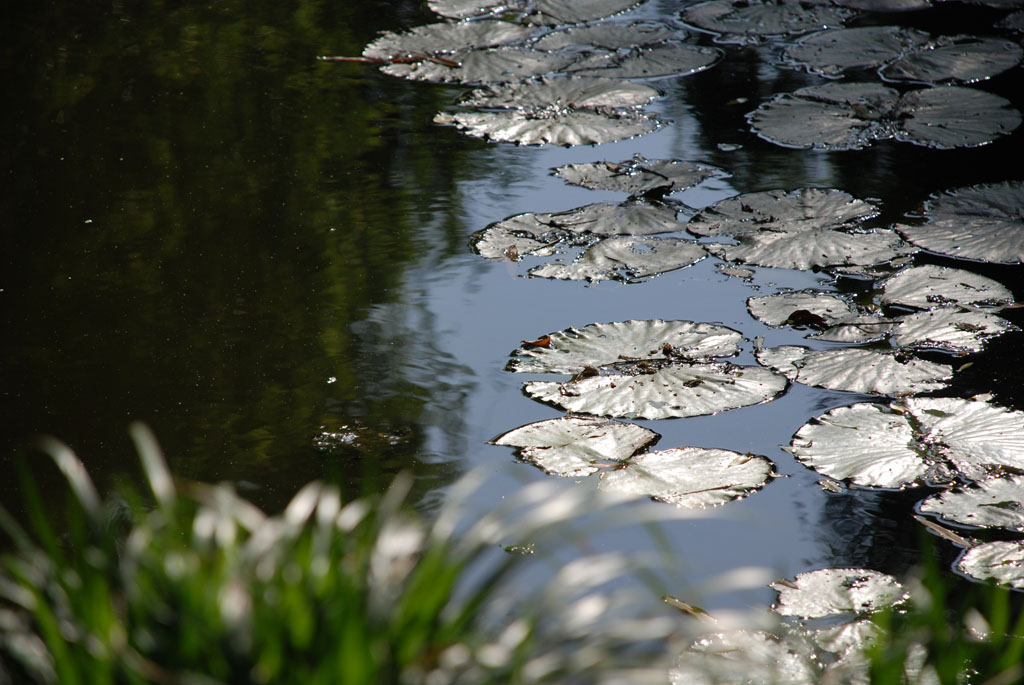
point(574, 92)
point(983, 222)
point(850, 116)
point(949, 328)
point(638, 175)
point(445, 38)
point(779, 210)
point(1012, 22)
point(753, 20)
point(610, 36)
point(745, 656)
point(544, 127)
point(646, 62)
point(930, 286)
point(493, 65)
point(813, 247)
point(599, 344)
point(574, 446)
point(1001, 562)
point(545, 12)
point(885, 5)
point(928, 439)
point(954, 58)
point(689, 477)
point(996, 502)
point(626, 258)
point(662, 391)
point(831, 52)
point(833, 317)
point(833, 591)
point(870, 371)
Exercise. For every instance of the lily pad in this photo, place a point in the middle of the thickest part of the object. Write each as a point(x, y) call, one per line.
point(662, 391)
point(850, 116)
point(625, 258)
point(930, 286)
point(600, 344)
point(544, 12)
point(575, 93)
point(831, 52)
point(668, 59)
point(983, 222)
point(754, 20)
point(492, 65)
point(992, 503)
point(924, 439)
point(965, 59)
point(753, 657)
point(689, 477)
point(445, 39)
point(639, 175)
point(779, 210)
point(1013, 22)
point(834, 591)
point(610, 36)
point(885, 5)
point(551, 127)
point(949, 328)
point(834, 319)
point(813, 248)
point(1001, 562)
point(575, 446)
point(869, 371)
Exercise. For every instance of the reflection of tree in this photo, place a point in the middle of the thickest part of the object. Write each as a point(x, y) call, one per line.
point(197, 211)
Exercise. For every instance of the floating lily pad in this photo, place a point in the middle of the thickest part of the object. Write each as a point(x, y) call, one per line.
point(689, 477)
point(626, 258)
point(885, 5)
point(639, 175)
point(493, 65)
point(928, 439)
point(983, 222)
point(551, 127)
point(833, 591)
point(831, 52)
point(930, 286)
point(610, 36)
point(964, 59)
point(997, 502)
point(545, 12)
point(753, 657)
point(949, 328)
point(1001, 562)
point(813, 248)
point(662, 391)
point(575, 446)
point(599, 344)
point(850, 116)
point(754, 20)
point(870, 371)
point(1012, 22)
point(646, 62)
point(834, 319)
point(445, 38)
point(575, 93)
point(779, 210)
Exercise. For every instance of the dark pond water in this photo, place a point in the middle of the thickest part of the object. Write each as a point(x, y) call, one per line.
point(209, 230)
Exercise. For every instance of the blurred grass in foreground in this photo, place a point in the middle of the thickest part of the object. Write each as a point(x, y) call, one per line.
point(192, 584)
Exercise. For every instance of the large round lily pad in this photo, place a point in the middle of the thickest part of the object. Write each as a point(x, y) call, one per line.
point(646, 62)
point(1001, 562)
point(753, 657)
point(574, 349)
point(830, 316)
point(924, 439)
point(834, 591)
point(491, 65)
point(930, 286)
point(870, 371)
point(780, 210)
point(610, 36)
point(949, 328)
point(445, 39)
point(545, 12)
point(831, 52)
point(983, 222)
point(755, 20)
point(625, 258)
point(813, 248)
point(996, 502)
point(576, 93)
point(850, 116)
point(575, 446)
point(963, 59)
point(551, 126)
point(661, 391)
point(639, 175)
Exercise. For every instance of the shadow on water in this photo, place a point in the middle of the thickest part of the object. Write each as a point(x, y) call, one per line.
point(208, 230)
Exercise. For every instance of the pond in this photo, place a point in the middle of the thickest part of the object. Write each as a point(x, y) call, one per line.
point(267, 258)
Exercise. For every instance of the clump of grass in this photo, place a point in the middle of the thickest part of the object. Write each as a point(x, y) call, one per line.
point(197, 585)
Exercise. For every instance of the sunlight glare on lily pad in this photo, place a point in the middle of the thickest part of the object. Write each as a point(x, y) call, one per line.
point(544, 12)
point(833, 591)
point(625, 258)
point(639, 175)
point(1001, 562)
point(930, 286)
point(780, 210)
point(754, 20)
point(996, 502)
point(949, 328)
